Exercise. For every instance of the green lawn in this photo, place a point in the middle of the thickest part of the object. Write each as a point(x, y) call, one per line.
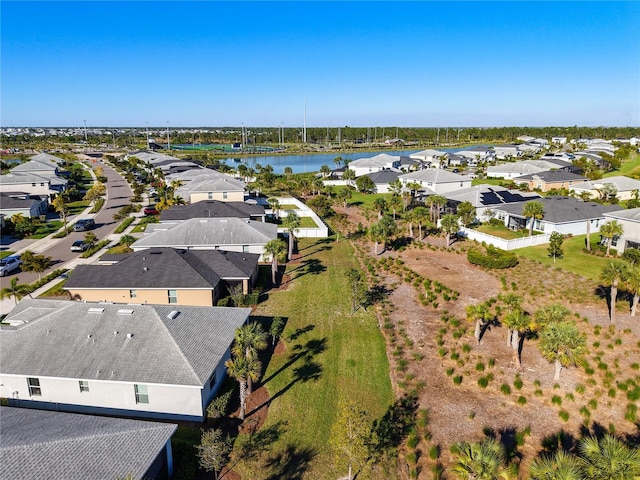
point(343, 355)
point(574, 260)
point(501, 231)
point(493, 181)
point(631, 167)
point(5, 254)
point(78, 207)
point(47, 229)
point(364, 200)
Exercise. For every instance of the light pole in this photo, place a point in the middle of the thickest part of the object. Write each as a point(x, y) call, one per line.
point(113, 133)
point(168, 139)
point(147, 134)
point(85, 131)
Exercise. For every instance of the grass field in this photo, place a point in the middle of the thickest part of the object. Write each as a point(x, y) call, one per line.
point(502, 232)
point(329, 353)
point(631, 167)
point(574, 259)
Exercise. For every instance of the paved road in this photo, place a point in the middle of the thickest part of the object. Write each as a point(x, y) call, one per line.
point(118, 195)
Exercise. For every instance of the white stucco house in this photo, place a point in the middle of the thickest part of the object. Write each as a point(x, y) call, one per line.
point(626, 188)
point(377, 163)
point(503, 152)
point(28, 183)
point(148, 361)
point(433, 158)
point(437, 180)
point(630, 221)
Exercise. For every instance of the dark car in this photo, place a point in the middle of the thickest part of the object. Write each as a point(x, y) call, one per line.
point(84, 224)
point(151, 210)
point(80, 246)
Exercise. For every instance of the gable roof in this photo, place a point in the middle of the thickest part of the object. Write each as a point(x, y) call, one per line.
point(212, 209)
point(381, 160)
point(552, 176)
point(383, 176)
point(63, 338)
point(559, 209)
point(164, 268)
point(22, 178)
point(630, 215)
point(44, 444)
point(489, 195)
point(435, 175)
point(207, 231)
point(212, 184)
point(622, 183)
point(48, 158)
point(35, 166)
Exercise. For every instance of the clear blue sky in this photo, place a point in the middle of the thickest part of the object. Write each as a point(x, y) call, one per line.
point(357, 63)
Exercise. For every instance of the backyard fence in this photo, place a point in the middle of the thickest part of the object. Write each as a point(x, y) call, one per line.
point(502, 243)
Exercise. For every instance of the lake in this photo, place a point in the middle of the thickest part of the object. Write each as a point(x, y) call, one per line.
point(312, 162)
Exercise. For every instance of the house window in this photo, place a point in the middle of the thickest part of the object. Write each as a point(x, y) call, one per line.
point(210, 196)
point(34, 387)
point(225, 194)
point(212, 380)
point(245, 248)
point(141, 393)
point(133, 293)
point(33, 184)
point(84, 386)
point(173, 296)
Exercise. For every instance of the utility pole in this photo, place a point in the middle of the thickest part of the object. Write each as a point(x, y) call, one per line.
point(438, 137)
point(147, 124)
point(168, 139)
point(85, 131)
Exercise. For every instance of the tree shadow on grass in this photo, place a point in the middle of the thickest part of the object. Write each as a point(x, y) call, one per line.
point(310, 349)
point(394, 426)
point(559, 441)
point(291, 463)
point(313, 266)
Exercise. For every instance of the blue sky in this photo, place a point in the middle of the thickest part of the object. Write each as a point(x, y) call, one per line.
point(357, 63)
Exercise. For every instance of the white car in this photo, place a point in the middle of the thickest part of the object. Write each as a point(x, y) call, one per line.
point(9, 264)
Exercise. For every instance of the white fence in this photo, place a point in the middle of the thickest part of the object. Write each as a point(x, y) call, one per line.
point(503, 243)
point(322, 231)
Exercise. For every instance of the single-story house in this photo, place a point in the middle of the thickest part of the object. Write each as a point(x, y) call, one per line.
point(626, 188)
point(29, 206)
point(559, 140)
point(477, 154)
point(231, 234)
point(565, 215)
point(165, 276)
point(383, 161)
point(38, 167)
point(437, 180)
point(549, 180)
point(630, 221)
point(147, 361)
point(485, 198)
point(214, 209)
point(433, 158)
point(383, 179)
point(213, 186)
point(503, 152)
point(529, 167)
point(41, 444)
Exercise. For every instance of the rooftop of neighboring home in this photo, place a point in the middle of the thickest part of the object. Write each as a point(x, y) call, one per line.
point(48, 168)
point(383, 176)
point(382, 160)
point(429, 152)
point(559, 209)
point(207, 231)
point(48, 158)
point(44, 444)
point(21, 178)
point(434, 175)
point(14, 200)
point(552, 176)
point(164, 344)
point(166, 268)
point(529, 166)
point(489, 195)
point(622, 183)
point(630, 215)
point(212, 209)
point(211, 183)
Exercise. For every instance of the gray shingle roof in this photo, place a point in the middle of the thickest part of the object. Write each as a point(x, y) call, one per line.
point(383, 176)
point(43, 444)
point(212, 209)
point(435, 175)
point(558, 209)
point(552, 176)
point(487, 195)
point(166, 268)
point(62, 338)
point(209, 231)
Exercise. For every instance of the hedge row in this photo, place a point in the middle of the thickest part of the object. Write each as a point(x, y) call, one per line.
point(492, 258)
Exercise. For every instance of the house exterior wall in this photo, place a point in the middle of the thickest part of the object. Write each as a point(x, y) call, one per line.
point(440, 188)
point(546, 186)
point(36, 209)
point(359, 171)
point(631, 234)
point(259, 249)
point(199, 298)
point(40, 188)
point(165, 401)
point(232, 196)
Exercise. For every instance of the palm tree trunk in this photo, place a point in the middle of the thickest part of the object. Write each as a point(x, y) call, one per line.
point(509, 333)
point(420, 230)
point(609, 240)
point(290, 245)
point(614, 294)
point(375, 248)
point(515, 344)
point(531, 227)
point(411, 229)
point(634, 304)
point(476, 332)
point(243, 397)
point(556, 377)
point(349, 477)
point(588, 235)
point(274, 269)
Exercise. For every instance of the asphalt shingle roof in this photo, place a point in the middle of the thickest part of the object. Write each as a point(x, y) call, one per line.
point(212, 209)
point(125, 343)
point(43, 444)
point(552, 176)
point(558, 209)
point(488, 195)
point(435, 175)
point(383, 176)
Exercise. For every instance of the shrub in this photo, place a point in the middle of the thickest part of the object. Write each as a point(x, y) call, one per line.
point(434, 452)
point(480, 367)
point(517, 383)
point(492, 258)
point(564, 415)
point(483, 382)
point(521, 400)
point(506, 389)
point(457, 380)
point(556, 400)
point(631, 413)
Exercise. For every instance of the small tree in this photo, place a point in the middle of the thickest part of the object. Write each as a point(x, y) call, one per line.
point(555, 245)
point(611, 230)
point(97, 190)
point(60, 205)
point(32, 262)
point(611, 275)
point(277, 326)
point(291, 223)
point(480, 314)
point(15, 290)
point(467, 213)
point(533, 211)
point(563, 344)
point(90, 237)
point(357, 288)
point(274, 203)
point(450, 226)
point(349, 435)
point(276, 249)
point(364, 184)
point(213, 451)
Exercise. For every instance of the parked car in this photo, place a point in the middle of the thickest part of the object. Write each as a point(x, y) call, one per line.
point(151, 210)
point(9, 264)
point(80, 246)
point(84, 224)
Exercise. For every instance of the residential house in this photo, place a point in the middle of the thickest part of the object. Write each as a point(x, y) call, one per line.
point(528, 167)
point(559, 140)
point(231, 234)
point(383, 179)
point(504, 152)
point(147, 361)
point(165, 276)
point(213, 186)
point(630, 221)
point(28, 183)
point(437, 180)
point(41, 444)
point(431, 158)
point(13, 203)
point(214, 209)
point(485, 198)
point(549, 180)
point(376, 163)
point(561, 214)
point(626, 188)
point(38, 167)
point(476, 154)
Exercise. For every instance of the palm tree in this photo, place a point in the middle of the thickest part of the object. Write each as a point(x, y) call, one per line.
point(291, 223)
point(275, 248)
point(274, 203)
point(243, 369)
point(632, 285)
point(380, 205)
point(15, 290)
point(439, 202)
point(480, 314)
point(479, 461)
point(533, 211)
point(519, 322)
point(349, 175)
point(450, 225)
point(560, 466)
point(563, 344)
point(249, 339)
point(608, 458)
point(512, 302)
point(549, 314)
point(610, 230)
point(612, 274)
point(420, 216)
